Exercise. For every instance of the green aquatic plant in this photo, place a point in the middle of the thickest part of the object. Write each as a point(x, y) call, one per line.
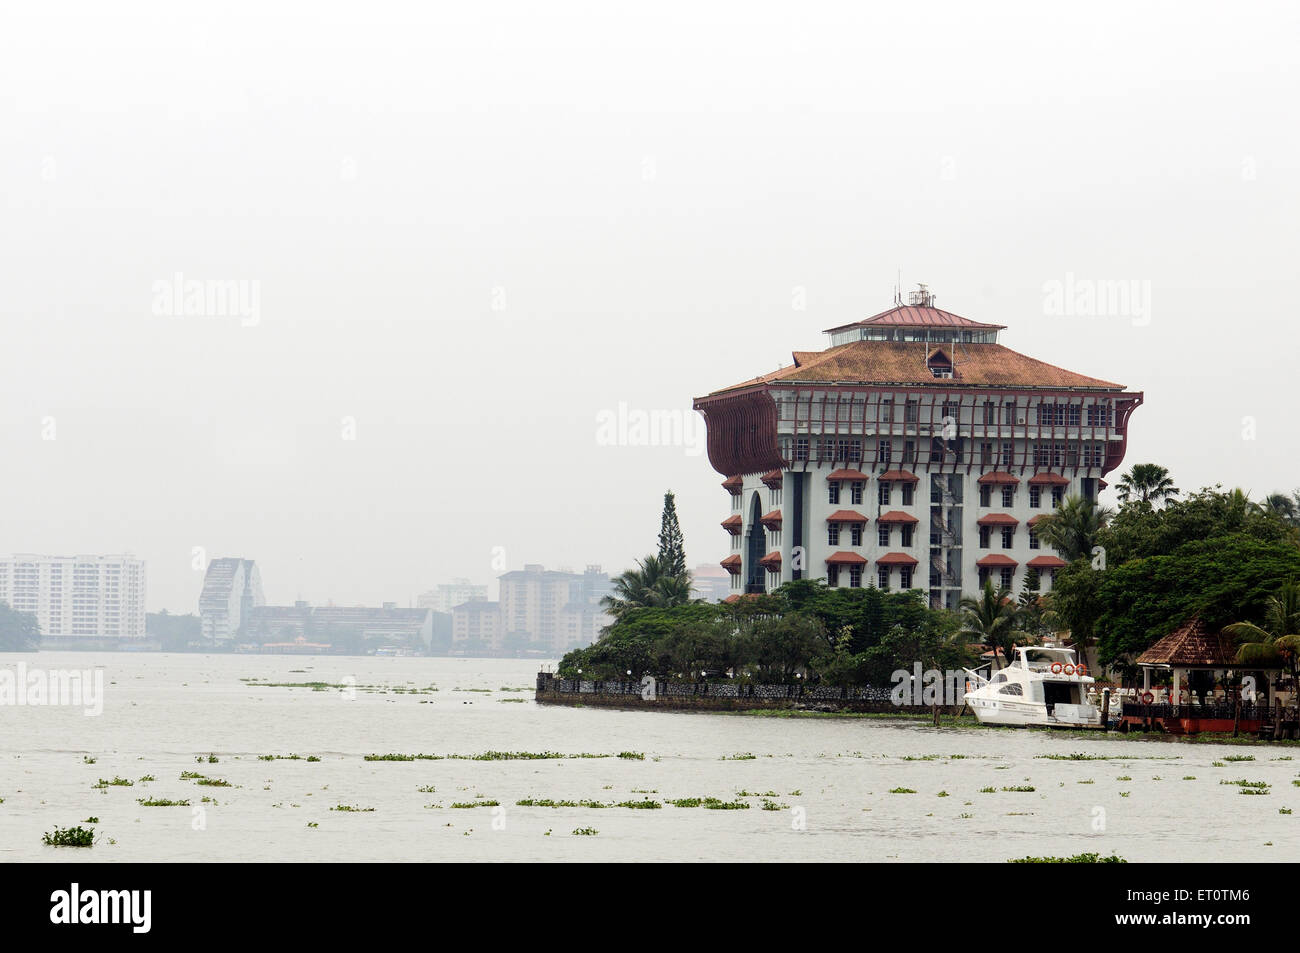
point(69, 837)
point(352, 809)
point(1087, 858)
point(584, 831)
point(161, 802)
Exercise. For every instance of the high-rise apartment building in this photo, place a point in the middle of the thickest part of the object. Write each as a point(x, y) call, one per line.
point(77, 597)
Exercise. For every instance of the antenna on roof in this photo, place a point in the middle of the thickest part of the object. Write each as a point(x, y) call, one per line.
point(898, 289)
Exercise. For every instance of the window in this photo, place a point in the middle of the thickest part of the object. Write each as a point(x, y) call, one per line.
point(882, 534)
point(909, 451)
point(1006, 573)
point(855, 451)
point(1035, 496)
point(1058, 494)
point(1008, 494)
point(985, 533)
point(1072, 455)
point(1009, 412)
point(1033, 539)
point(986, 454)
point(909, 492)
point(1006, 537)
point(986, 494)
point(855, 534)
point(1072, 415)
point(951, 408)
point(825, 449)
point(887, 410)
point(882, 576)
point(1011, 688)
point(1008, 453)
point(884, 494)
point(1099, 415)
point(842, 449)
point(833, 534)
point(1092, 454)
point(855, 492)
point(905, 531)
point(855, 577)
point(885, 449)
point(910, 412)
point(990, 413)
point(832, 576)
point(1042, 454)
point(834, 490)
point(905, 577)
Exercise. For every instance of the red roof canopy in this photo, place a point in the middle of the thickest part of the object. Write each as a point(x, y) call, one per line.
point(1050, 479)
point(732, 524)
point(846, 475)
point(771, 560)
point(998, 519)
point(899, 476)
point(997, 561)
point(731, 563)
point(912, 316)
point(1034, 519)
point(896, 559)
point(1046, 562)
point(772, 479)
point(846, 559)
point(896, 516)
point(733, 484)
point(999, 476)
point(772, 520)
point(846, 516)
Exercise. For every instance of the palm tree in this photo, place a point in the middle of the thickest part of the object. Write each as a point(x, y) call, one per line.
point(650, 584)
point(1072, 527)
point(990, 618)
point(1149, 482)
point(1285, 508)
point(1278, 642)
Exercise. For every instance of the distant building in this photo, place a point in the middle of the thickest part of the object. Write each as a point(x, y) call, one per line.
point(232, 588)
point(710, 582)
point(348, 629)
point(476, 624)
point(77, 597)
point(448, 595)
point(533, 604)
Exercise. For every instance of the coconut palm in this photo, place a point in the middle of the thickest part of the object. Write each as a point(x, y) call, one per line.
point(1285, 508)
point(650, 584)
point(990, 618)
point(1073, 526)
point(1148, 482)
point(1277, 642)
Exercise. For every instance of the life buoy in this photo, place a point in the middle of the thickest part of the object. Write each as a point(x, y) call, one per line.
point(1081, 669)
point(1056, 668)
point(1147, 698)
point(1068, 669)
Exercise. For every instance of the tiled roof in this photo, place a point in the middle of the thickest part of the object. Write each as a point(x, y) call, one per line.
point(731, 563)
point(771, 559)
point(903, 362)
point(1048, 479)
point(998, 519)
point(846, 559)
point(898, 476)
point(896, 516)
point(733, 484)
point(846, 516)
point(1046, 562)
point(1192, 643)
point(906, 316)
point(772, 519)
point(846, 475)
point(732, 524)
point(896, 559)
point(996, 561)
point(1033, 520)
point(999, 476)
point(772, 478)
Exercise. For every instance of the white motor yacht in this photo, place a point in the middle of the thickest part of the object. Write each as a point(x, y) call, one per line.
point(1042, 686)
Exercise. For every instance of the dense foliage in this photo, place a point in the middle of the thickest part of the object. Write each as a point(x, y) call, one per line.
point(19, 631)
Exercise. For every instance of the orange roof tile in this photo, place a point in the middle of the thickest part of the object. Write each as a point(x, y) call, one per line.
point(996, 561)
point(733, 484)
point(846, 559)
point(731, 563)
point(999, 476)
point(772, 478)
point(896, 559)
point(847, 475)
point(906, 316)
point(896, 516)
point(773, 517)
point(899, 476)
point(998, 519)
point(846, 516)
point(732, 524)
point(1193, 644)
point(1048, 479)
point(772, 559)
point(1046, 562)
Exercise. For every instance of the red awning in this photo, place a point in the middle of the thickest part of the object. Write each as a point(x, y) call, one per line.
point(896, 516)
point(846, 559)
point(772, 520)
point(998, 519)
point(772, 479)
point(846, 516)
point(999, 476)
point(899, 476)
point(846, 475)
point(733, 484)
point(896, 559)
point(1034, 519)
point(1048, 479)
point(1046, 562)
point(731, 563)
point(997, 561)
point(732, 524)
point(771, 561)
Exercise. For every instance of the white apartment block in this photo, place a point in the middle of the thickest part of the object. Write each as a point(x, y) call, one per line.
point(100, 597)
point(448, 595)
point(916, 452)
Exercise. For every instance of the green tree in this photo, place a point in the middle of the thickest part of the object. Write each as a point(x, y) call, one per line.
point(1277, 641)
point(990, 618)
point(1146, 482)
point(1073, 527)
point(672, 547)
point(649, 585)
point(19, 631)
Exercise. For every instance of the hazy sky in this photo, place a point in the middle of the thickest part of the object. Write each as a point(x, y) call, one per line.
point(472, 228)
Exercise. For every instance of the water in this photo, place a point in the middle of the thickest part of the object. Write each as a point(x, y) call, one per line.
point(162, 711)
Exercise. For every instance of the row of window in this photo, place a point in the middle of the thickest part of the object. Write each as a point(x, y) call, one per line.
point(884, 492)
point(905, 574)
point(1007, 494)
point(884, 534)
point(990, 413)
point(947, 449)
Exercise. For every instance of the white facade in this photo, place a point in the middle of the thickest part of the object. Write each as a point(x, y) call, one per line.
point(77, 596)
point(448, 595)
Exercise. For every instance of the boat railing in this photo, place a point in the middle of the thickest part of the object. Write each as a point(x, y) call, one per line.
point(1222, 710)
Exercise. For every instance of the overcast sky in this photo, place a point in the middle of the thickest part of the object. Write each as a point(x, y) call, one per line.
point(466, 230)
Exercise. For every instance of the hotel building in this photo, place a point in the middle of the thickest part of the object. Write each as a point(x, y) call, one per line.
point(77, 597)
point(232, 588)
point(915, 452)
